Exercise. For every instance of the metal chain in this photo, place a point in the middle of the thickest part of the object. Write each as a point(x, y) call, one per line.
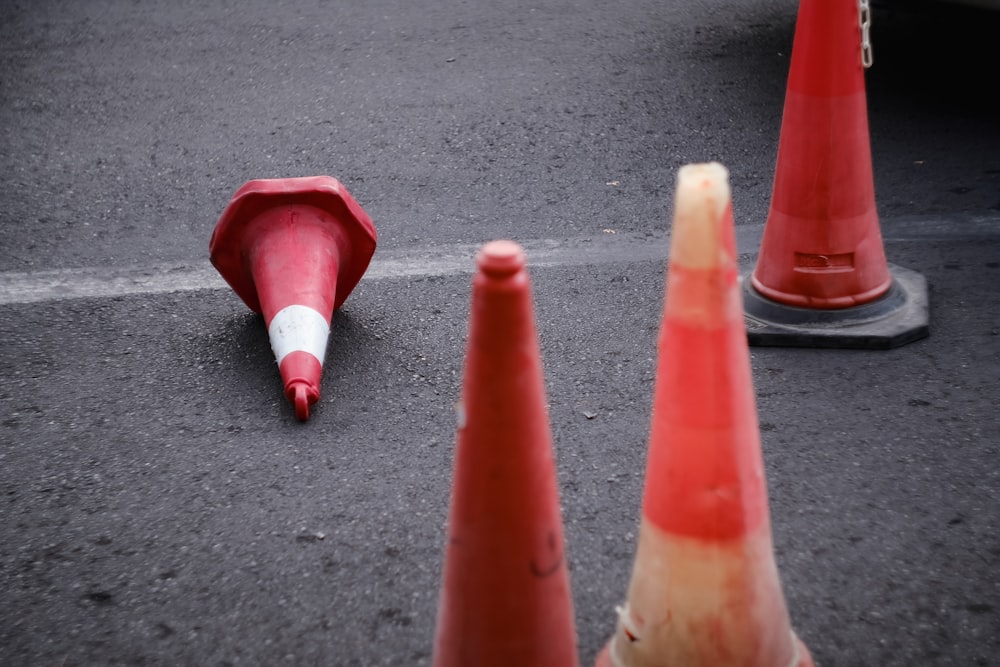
point(865, 18)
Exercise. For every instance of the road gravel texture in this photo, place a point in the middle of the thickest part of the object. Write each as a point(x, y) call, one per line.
point(162, 506)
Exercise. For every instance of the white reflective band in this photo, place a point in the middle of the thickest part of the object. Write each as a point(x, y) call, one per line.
point(298, 328)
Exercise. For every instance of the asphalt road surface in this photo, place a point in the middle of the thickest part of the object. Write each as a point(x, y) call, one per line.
point(160, 503)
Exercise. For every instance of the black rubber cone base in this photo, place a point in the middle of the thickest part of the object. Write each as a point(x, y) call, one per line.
point(897, 318)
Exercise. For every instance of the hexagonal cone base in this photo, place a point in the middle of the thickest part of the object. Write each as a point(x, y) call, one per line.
point(895, 319)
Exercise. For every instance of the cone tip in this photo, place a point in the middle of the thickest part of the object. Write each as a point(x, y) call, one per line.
point(702, 201)
point(702, 171)
point(502, 258)
point(300, 395)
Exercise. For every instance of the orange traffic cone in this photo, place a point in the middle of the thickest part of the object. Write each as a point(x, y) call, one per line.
point(821, 278)
point(294, 249)
point(705, 590)
point(505, 597)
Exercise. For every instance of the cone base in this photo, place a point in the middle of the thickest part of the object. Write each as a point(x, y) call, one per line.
point(343, 219)
point(899, 317)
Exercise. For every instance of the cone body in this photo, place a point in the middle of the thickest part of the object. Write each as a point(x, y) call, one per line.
point(293, 249)
point(505, 598)
point(294, 260)
point(705, 589)
point(822, 246)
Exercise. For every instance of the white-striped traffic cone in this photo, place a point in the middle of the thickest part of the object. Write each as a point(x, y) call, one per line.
point(293, 249)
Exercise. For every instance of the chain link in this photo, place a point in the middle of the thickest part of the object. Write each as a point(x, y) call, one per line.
point(865, 18)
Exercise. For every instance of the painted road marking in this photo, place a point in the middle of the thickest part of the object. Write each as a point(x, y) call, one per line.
point(387, 264)
point(436, 260)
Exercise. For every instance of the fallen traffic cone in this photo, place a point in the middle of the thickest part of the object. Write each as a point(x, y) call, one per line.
point(294, 249)
point(705, 590)
point(822, 279)
point(505, 598)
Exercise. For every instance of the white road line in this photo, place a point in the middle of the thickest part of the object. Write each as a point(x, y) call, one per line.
point(436, 260)
point(388, 264)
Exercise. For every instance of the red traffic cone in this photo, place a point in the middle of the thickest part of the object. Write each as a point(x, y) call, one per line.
point(705, 590)
point(505, 597)
point(821, 277)
point(293, 249)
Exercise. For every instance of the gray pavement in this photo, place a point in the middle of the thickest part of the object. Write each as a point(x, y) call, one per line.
point(162, 506)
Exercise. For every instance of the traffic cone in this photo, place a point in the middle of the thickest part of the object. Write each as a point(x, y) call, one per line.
point(705, 589)
point(293, 249)
point(505, 597)
point(822, 279)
